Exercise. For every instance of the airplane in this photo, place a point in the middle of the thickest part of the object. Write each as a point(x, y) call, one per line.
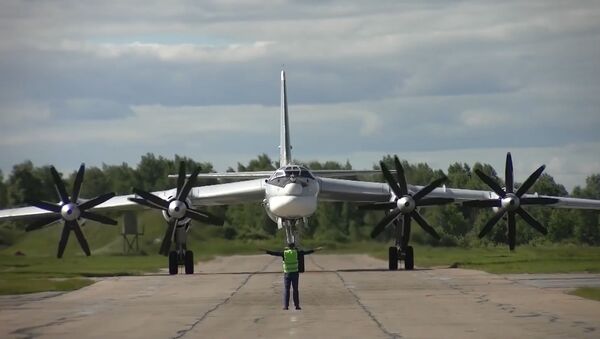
point(290, 196)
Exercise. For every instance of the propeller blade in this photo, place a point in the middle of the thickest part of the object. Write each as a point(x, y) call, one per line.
point(508, 174)
point(181, 177)
point(165, 246)
point(530, 181)
point(488, 226)
point(434, 201)
point(400, 176)
point(64, 237)
point(429, 188)
point(144, 203)
point(152, 198)
point(390, 180)
point(512, 231)
point(44, 205)
point(378, 206)
point(539, 201)
point(531, 221)
point(96, 201)
point(80, 237)
point(41, 223)
point(491, 183)
point(406, 224)
point(483, 203)
point(384, 222)
point(60, 186)
point(424, 225)
point(189, 183)
point(204, 217)
point(77, 183)
point(98, 218)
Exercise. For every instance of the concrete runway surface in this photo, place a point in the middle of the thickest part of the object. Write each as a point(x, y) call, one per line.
point(342, 296)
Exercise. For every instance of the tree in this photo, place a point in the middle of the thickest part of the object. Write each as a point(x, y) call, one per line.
point(588, 230)
point(561, 224)
point(3, 196)
point(23, 185)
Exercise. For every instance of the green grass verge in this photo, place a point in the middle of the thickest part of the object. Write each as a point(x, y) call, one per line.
point(13, 284)
point(24, 274)
point(588, 293)
point(41, 272)
point(526, 259)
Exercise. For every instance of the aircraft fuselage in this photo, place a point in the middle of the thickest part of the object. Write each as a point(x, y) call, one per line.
point(291, 193)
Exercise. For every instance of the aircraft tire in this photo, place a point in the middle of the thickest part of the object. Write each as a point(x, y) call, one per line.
point(393, 258)
point(173, 265)
point(189, 262)
point(409, 260)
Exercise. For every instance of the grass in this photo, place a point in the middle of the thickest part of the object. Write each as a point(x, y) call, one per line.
point(39, 270)
point(526, 259)
point(592, 293)
point(23, 274)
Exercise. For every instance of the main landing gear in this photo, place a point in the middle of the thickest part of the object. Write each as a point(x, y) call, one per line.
point(181, 258)
point(396, 254)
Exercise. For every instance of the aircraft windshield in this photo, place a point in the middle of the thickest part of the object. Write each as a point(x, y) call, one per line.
point(296, 171)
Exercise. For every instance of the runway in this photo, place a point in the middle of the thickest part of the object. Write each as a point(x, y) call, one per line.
point(342, 296)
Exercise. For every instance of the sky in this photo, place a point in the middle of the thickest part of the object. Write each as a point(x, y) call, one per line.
point(437, 82)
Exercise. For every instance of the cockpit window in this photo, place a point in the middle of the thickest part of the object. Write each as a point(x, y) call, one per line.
point(293, 170)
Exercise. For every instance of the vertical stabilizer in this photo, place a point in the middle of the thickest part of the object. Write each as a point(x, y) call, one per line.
point(285, 149)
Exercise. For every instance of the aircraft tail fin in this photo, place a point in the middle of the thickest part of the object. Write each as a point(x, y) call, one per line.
point(285, 149)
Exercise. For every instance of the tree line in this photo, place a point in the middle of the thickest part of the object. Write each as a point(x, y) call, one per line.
point(340, 222)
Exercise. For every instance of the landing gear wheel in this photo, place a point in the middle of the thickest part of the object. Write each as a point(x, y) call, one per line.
point(409, 259)
point(393, 258)
point(189, 262)
point(300, 263)
point(173, 265)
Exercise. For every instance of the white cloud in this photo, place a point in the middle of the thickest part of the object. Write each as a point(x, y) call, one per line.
point(444, 80)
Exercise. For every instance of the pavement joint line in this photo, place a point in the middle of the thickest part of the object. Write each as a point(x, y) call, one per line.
point(362, 306)
point(182, 333)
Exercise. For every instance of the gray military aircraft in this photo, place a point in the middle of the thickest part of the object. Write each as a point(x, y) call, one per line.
point(289, 196)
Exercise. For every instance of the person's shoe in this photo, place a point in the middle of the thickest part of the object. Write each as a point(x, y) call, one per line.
point(285, 308)
point(298, 308)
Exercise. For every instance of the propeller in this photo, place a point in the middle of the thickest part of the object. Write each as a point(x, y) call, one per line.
point(510, 202)
point(176, 208)
point(405, 204)
point(70, 210)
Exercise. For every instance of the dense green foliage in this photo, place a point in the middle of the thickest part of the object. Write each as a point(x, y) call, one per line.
point(333, 222)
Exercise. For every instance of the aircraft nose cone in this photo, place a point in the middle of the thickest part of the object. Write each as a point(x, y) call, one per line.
point(293, 189)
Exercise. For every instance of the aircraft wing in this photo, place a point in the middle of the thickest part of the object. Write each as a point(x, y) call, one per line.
point(352, 190)
point(220, 194)
point(361, 191)
point(267, 174)
point(462, 195)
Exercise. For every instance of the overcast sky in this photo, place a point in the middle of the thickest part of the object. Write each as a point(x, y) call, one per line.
point(439, 82)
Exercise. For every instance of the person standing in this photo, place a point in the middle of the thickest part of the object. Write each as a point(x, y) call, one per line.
point(290, 273)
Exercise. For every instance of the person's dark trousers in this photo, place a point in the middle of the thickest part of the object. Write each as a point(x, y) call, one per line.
point(290, 279)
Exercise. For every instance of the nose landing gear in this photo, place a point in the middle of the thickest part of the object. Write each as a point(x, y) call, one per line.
point(397, 254)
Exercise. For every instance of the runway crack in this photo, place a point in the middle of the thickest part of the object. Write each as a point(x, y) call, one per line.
point(359, 302)
point(182, 333)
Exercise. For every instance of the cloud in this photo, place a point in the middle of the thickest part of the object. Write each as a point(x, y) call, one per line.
point(89, 109)
point(464, 79)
